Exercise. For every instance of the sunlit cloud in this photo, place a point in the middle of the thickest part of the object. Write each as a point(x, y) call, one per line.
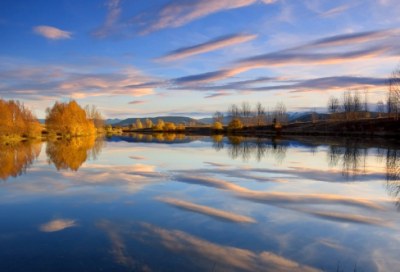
point(214, 44)
point(52, 32)
point(57, 225)
point(207, 210)
point(51, 81)
point(217, 95)
point(177, 13)
point(137, 158)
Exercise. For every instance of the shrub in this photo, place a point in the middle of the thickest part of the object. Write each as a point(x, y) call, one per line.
point(169, 126)
point(180, 127)
point(235, 124)
point(158, 127)
point(108, 128)
point(216, 126)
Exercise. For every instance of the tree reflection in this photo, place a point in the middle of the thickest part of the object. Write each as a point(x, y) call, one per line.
point(351, 156)
point(72, 153)
point(15, 158)
point(393, 175)
point(245, 148)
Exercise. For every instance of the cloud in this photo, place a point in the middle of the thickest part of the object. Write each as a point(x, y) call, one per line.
point(207, 210)
point(335, 11)
point(350, 218)
point(109, 26)
point(177, 13)
point(308, 54)
point(52, 32)
point(217, 164)
point(228, 258)
point(137, 102)
point(57, 225)
point(212, 45)
point(137, 158)
point(89, 77)
point(278, 198)
point(217, 95)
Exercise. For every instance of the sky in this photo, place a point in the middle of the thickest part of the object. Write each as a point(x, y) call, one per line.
point(194, 57)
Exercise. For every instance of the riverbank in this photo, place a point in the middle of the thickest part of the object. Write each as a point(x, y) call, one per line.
point(377, 127)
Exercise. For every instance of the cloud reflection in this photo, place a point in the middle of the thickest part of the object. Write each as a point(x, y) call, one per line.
point(57, 225)
point(207, 210)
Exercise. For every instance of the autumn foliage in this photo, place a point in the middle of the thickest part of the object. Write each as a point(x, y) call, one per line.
point(216, 126)
point(235, 124)
point(16, 157)
point(68, 119)
point(17, 120)
point(70, 154)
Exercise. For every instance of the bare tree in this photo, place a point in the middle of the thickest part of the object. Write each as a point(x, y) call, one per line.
point(366, 99)
point(380, 108)
point(234, 111)
point(394, 93)
point(218, 117)
point(281, 113)
point(260, 114)
point(246, 113)
point(333, 107)
point(314, 116)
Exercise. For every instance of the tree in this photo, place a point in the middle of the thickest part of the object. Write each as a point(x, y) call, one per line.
point(281, 113)
point(260, 114)
point(139, 124)
point(393, 99)
point(217, 126)
point(314, 116)
point(218, 117)
point(68, 119)
point(94, 115)
point(235, 124)
point(17, 120)
point(108, 127)
point(161, 122)
point(234, 111)
point(380, 108)
point(246, 113)
point(180, 127)
point(149, 123)
point(169, 126)
point(333, 107)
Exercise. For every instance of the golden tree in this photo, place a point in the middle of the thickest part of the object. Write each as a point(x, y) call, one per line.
point(216, 126)
point(169, 126)
point(17, 120)
point(139, 124)
point(68, 119)
point(149, 123)
point(235, 124)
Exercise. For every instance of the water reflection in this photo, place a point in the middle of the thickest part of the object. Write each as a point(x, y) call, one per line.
point(350, 155)
point(16, 157)
point(393, 175)
point(70, 154)
point(245, 148)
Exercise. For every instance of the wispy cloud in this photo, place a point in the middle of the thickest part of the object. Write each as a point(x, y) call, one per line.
point(214, 44)
point(179, 12)
point(57, 225)
point(335, 11)
point(228, 258)
point(109, 26)
point(137, 102)
point(217, 95)
point(207, 210)
point(52, 32)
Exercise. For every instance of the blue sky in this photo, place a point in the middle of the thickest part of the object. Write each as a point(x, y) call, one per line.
point(193, 57)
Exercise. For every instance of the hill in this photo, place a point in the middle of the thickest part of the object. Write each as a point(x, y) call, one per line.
point(324, 116)
point(172, 119)
point(113, 121)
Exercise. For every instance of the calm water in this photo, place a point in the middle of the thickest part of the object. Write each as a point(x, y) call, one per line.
point(176, 203)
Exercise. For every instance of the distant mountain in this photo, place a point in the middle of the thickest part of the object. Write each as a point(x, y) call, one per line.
point(227, 119)
point(41, 121)
point(172, 119)
point(324, 116)
point(113, 121)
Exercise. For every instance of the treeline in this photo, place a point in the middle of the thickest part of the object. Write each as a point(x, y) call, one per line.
point(17, 120)
point(160, 126)
point(246, 115)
